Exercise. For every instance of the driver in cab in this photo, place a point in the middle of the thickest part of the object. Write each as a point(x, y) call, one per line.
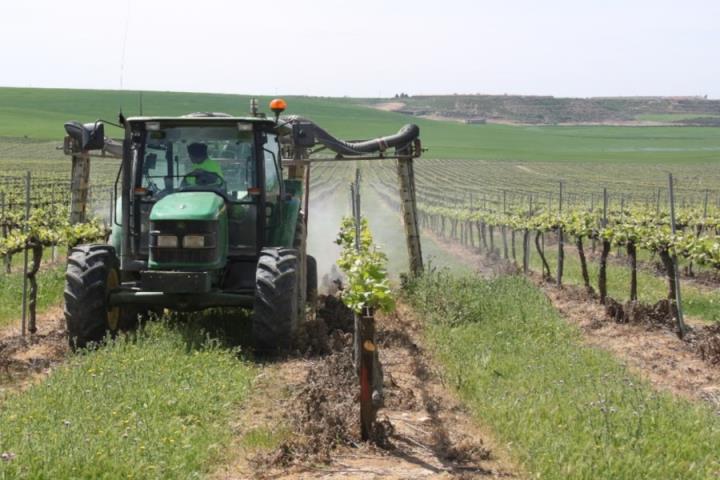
point(205, 171)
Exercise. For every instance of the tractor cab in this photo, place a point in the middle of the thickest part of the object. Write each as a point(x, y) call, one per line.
point(201, 196)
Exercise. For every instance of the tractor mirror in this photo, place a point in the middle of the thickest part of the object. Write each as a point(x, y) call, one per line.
point(89, 136)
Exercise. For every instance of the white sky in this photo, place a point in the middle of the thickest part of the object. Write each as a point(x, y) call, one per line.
point(367, 47)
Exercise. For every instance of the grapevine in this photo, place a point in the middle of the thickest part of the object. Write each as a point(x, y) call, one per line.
point(368, 287)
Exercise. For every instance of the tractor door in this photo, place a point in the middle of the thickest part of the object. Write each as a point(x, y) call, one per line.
point(273, 184)
point(238, 161)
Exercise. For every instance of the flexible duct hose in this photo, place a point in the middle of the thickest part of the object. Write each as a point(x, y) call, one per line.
point(402, 138)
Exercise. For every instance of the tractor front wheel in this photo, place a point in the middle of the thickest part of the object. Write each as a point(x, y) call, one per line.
point(275, 311)
point(92, 272)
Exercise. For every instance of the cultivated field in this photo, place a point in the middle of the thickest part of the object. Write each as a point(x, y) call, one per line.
point(540, 343)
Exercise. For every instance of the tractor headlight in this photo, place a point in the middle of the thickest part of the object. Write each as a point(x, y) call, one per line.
point(193, 241)
point(167, 241)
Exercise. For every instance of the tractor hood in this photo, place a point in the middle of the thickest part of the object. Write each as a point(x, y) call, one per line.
point(189, 206)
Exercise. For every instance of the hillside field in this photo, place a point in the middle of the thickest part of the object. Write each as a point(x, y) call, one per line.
point(549, 110)
point(38, 115)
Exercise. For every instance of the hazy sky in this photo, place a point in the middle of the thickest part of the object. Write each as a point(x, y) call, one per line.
point(365, 48)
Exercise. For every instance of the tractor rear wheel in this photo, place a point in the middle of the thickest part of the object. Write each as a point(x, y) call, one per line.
point(275, 310)
point(92, 272)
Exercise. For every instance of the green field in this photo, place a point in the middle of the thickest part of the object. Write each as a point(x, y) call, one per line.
point(38, 114)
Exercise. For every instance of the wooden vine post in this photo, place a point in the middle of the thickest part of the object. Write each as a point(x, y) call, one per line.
point(592, 209)
point(561, 250)
point(602, 273)
point(366, 359)
point(79, 183)
point(526, 240)
point(368, 356)
point(5, 231)
point(408, 208)
point(23, 327)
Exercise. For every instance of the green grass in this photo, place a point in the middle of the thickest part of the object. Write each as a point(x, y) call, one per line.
point(51, 283)
point(567, 411)
point(39, 114)
point(159, 406)
point(702, 304)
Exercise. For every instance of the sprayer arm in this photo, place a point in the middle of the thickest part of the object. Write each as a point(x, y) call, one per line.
point(307, 134)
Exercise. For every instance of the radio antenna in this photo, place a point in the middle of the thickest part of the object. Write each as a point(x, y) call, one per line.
point(124, 45)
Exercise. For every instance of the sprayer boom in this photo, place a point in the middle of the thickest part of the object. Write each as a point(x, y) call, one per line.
point(303, 139)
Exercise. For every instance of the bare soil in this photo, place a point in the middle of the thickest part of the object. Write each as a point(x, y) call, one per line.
point(389, 106)
point(29, 359)
point(654, 353)
point(527, 169)
point(311, 400)
point(487, 266)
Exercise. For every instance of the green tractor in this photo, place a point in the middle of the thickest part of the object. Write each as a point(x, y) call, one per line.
point(209, 210)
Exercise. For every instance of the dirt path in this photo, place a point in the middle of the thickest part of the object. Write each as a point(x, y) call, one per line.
point(389, 106)
point(312, 404)
point(478, 262)
point(527, 169)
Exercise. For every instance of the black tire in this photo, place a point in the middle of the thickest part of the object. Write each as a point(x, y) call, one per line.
point(92, 271)
point(275, 310)
point(312, 281)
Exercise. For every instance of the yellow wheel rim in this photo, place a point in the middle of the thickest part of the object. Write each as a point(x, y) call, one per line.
point(113, 313)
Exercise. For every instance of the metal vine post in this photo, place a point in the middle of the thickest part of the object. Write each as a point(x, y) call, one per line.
point(682, 329)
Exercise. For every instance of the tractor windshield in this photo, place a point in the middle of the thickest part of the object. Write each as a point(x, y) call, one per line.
point(186, 158)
